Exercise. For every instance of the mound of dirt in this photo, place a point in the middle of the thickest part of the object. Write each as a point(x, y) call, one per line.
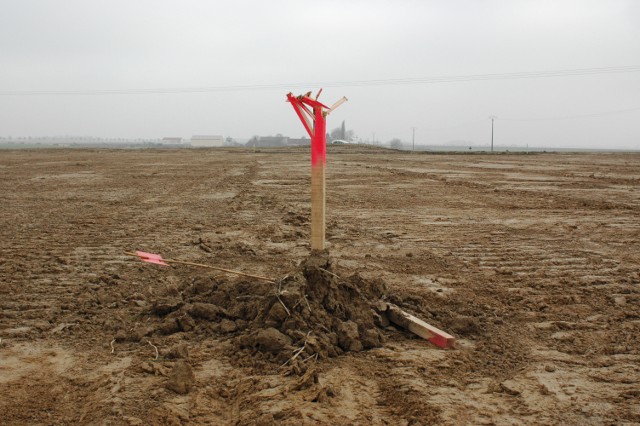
point(316, 312)
point(310, 313)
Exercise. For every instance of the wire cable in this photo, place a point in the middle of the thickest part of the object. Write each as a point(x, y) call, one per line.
point(335, 84)
point(572, 117)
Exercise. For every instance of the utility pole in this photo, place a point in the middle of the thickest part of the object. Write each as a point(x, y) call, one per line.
point(414, 138)
point(492, 117)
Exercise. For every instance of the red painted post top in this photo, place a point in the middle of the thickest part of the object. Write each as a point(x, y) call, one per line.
point(313, 116)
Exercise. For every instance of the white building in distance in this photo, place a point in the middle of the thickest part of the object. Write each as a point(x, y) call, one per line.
point(172, 140)
point(200, 141)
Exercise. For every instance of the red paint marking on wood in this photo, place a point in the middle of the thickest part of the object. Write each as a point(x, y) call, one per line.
point(151, 258)
point(419, 327)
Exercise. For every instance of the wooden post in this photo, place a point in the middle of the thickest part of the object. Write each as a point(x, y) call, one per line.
point(316, 125)
point(318, 206)
point(318, 165)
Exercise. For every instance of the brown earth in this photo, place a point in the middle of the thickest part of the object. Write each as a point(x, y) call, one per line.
point(531, 261)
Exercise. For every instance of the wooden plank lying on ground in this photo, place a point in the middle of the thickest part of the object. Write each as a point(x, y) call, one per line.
point(419, 327)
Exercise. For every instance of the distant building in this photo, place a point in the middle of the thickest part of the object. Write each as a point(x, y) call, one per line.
point(278, 140)
point(172, 140)
point(198, 141)
point(299, 142)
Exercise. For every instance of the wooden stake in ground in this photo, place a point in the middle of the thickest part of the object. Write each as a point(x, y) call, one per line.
point(158, 260)
point(313, 116)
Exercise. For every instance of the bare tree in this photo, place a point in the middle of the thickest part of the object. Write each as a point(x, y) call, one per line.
point(336, 134)
point(341, 133)
point(395, 143)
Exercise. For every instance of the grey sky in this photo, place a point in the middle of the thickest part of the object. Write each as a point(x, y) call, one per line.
point(78, 45)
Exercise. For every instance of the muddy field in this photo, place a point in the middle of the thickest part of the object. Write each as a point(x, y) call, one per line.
point(531, 261)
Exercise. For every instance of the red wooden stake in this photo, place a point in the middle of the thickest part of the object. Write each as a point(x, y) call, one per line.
point(313, 116)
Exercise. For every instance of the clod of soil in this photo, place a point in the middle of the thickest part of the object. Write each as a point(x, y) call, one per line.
point(179, 351)
point(267, 340)
point(181, 378)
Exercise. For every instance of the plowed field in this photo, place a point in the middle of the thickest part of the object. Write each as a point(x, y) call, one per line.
point(531, 261)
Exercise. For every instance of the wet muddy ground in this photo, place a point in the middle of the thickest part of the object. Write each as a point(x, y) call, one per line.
point(531, 261)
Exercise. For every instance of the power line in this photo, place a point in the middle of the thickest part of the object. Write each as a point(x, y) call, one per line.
point(348, 83)
point(567, 117)
point(456, 127)
point(572, 117)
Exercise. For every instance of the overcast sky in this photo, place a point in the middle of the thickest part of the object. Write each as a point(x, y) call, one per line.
point(124, 45)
